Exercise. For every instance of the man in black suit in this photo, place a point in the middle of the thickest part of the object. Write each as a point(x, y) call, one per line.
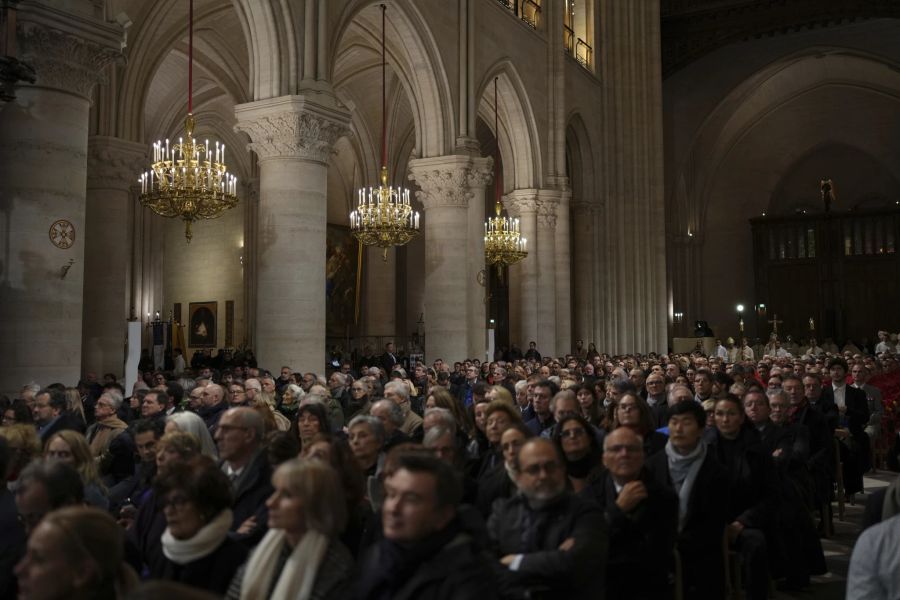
point(852, 406)
point(655, 390)
point(50, 414)
point(701, 484)
point(643, 520)
point(821, 441)
point(533, 353)
point(239, 438)
point(465, 390)
point(812, 389)
point(388, 359)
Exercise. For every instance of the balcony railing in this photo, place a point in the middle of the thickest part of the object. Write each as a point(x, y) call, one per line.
point(577, 48)
point(529, 11)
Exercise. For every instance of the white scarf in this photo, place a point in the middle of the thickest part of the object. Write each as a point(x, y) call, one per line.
point(202, 544)
point(684, 468)
point(295, 582)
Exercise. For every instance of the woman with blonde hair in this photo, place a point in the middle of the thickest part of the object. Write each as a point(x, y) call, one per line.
point(24, 445)
point(74, 405)
point(75, 552)
point(71, 448)
point(175, 447)
point(498, 392)
point(300, 557)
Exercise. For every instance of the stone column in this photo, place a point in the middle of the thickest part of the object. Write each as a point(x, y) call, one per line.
point(481, 177)
point(43, 171)
point(546, 268)
point(583, 277)
point(634, 168)
point(380, 291)
point(112, 166)
point(293, 137)
point(563, 274)
point(447, 185)
point(524, 275)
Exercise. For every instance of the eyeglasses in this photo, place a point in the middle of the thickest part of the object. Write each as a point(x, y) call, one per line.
point(176, 502)
point(548, 467)
point(575, 432)
point(626, 448)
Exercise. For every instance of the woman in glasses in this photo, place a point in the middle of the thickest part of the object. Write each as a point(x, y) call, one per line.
point(197, 551)
point(575, 437)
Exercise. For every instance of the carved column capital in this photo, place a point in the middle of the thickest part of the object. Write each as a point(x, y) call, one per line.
point(546, 210)
point(521, 202)
point(449, 180)
point(67, 51)
point(114, 163)
point(292, 127)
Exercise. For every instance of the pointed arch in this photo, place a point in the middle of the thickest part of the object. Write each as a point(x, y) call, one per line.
point(518, 137)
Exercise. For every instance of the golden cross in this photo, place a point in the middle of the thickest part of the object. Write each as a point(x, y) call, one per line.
point(775, 323)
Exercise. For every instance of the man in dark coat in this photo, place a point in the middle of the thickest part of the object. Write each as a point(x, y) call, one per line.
point(643, 521)
point(50, 414)
point(426, 550)
point(701, 484)
point(239, 438)
point(821, 440)
point(548, 540)
point(388, 359)
point(852, 406)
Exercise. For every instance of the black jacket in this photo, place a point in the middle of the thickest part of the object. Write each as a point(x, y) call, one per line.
point(447, 566)
point(212, 573)
point(700, 539)
point(516, 528)
point(641, 542)
point(251, 490)
point(751, 477)
point(857, 414)
point(495, 484)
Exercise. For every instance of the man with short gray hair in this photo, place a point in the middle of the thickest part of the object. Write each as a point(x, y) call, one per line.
point(398, 393)
point(111, 444)
point(391, 417)
point(239, 438)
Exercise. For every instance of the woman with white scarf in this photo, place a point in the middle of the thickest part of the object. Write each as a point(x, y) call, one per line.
point(300, 558)
point(196, 499)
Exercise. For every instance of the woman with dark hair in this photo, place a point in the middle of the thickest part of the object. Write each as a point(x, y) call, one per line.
point(16, 412)
point(311, 419)
point(575, 438)
point(196, 499)
point(75, 552)
point(633, 412)
point(440, 397)
point(591, 409)
point(300, 557)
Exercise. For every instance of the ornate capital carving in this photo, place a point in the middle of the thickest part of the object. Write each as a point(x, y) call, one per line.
point(449, 180)
point(521, 202)
point(292, 127)
point(113, 163)
point(546, 210)
point(64, 60)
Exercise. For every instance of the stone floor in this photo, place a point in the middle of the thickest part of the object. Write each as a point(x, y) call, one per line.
point(833, 585)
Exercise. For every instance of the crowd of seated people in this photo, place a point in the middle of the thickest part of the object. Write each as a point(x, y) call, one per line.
point(625, 477)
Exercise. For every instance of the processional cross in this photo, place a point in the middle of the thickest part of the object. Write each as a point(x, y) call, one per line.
point(775, 323)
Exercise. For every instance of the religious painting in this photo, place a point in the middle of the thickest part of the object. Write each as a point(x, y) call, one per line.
point(202, 324)
point(342, 262)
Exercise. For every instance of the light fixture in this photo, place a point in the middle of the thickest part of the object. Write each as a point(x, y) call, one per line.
point(740, 308)
point(503, 244)
point(187, 179)
point(383, 215)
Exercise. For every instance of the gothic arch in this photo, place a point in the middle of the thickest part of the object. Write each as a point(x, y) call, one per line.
point(518, 137)
point(580, 157)
point(412, 54)
point(758, 97)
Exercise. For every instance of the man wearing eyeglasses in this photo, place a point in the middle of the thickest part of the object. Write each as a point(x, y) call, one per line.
point(548, 540)
point(642, 517)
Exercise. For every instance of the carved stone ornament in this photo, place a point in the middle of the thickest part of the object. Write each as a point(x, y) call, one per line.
point(114, 164)
point(521, 204)
point(62, 234)
point(449, 183)
point(293, 134)
point(63, 61)
point(547, 213)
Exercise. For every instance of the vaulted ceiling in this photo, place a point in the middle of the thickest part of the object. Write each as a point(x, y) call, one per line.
point(693, 28)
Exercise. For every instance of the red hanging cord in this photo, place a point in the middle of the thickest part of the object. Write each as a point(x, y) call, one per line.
point(191, 57)
point(383, 93)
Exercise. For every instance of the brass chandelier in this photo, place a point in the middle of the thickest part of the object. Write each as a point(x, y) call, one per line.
point(187, 179)
point(383, 215)
point(503, 244)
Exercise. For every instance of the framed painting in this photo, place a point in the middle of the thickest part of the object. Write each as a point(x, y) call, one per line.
point(202, 324)
point(341, 266)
